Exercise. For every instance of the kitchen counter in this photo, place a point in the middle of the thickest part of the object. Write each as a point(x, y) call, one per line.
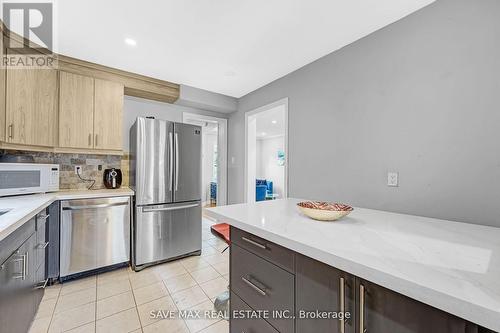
point(452, 266)
point(22, 208)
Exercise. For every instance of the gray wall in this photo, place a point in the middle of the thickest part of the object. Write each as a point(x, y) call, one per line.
point(206, 100)
point(421, 97)
point(136, 107)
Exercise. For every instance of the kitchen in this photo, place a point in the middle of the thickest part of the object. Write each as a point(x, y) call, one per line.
point(390, 125)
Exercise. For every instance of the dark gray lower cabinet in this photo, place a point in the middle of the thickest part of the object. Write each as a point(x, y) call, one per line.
point(323, 293)
point(52, 254)
point(260, 281)
point(17, 306)
point(264, 287)
point(246, 320)
point(383, 311)
point(41, 249)
point(22, 274)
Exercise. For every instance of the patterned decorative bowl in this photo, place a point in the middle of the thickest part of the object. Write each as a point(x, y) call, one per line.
point(324, 211)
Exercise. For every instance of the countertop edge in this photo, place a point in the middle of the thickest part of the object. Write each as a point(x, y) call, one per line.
point(20, 222)
point(469, 311)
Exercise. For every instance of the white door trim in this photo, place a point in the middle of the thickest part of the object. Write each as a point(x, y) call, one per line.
point(222, 152)
point(248, 114)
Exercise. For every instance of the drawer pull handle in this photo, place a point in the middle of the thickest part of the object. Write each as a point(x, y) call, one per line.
point(253, 286)
point(259, 245)
point(43, 284)
point(24, 273)
point(342, 303)
point(43, 246)
point(362, 308)
point(11, 131)
point(21, 275)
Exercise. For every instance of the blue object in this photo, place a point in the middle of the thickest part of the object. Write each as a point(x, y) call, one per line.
point(269, 187)
point(263, 189)
point(213, 192)
point(260, 192)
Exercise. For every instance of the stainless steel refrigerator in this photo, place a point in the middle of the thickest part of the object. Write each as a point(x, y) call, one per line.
point(165, 173)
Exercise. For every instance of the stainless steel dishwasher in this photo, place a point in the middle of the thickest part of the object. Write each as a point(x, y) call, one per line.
point(95, 233)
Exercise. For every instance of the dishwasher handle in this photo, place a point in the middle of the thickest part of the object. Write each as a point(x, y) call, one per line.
point(96, 206)
point(150, 210)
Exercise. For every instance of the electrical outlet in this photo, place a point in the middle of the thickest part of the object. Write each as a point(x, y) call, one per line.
point(392, 179)
point(78, 169)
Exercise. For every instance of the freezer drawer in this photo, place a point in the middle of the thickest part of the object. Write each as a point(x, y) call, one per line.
point(162, 232)
point(95, 233)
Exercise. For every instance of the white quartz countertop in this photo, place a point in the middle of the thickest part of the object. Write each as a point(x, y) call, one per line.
point(452, 266)
point(22, 208)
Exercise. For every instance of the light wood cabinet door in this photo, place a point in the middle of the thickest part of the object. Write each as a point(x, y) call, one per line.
point(76, 111)
point(108, 115)
point(31, 107)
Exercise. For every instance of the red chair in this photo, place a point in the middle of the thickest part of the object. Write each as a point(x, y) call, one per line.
point(221, 303)
point(221, 230)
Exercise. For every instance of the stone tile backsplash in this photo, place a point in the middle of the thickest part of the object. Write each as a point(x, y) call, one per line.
point(90, 167)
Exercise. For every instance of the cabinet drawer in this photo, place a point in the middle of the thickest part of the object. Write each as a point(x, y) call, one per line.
point(274, 253)
point(19, 236)
point(243, 322)
point(262, 285)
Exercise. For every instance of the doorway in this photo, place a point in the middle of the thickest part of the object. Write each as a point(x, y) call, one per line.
point(266, 152)
point(214, 158)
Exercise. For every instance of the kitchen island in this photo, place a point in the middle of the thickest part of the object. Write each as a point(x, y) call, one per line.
point(450, 267)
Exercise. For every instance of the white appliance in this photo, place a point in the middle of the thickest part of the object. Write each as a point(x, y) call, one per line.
point(27, 178)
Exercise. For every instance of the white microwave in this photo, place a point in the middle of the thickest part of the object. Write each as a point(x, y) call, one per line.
point(27, 178)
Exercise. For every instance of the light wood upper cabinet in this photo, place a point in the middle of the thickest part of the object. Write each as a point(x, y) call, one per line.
point(31, 107)
point(90, 113)
point(108, 115)
point(76, 111)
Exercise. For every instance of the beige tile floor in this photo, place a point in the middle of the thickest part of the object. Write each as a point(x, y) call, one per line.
point(121, 300)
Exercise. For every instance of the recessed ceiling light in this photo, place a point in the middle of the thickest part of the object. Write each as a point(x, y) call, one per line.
point(263, 133)
point(130, 41)
point(274, 122)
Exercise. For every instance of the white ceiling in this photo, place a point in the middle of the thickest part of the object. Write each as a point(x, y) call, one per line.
point(270, 123)
point(226, 46)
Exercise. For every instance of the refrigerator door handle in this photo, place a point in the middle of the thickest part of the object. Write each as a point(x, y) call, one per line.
point(171, 159)
point(176, 161)
point(149, 210)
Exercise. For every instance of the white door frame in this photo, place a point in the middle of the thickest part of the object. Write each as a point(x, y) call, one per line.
point(284, 102)
point(221, 152)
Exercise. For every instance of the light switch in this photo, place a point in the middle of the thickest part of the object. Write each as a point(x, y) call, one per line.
point(392, 179)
